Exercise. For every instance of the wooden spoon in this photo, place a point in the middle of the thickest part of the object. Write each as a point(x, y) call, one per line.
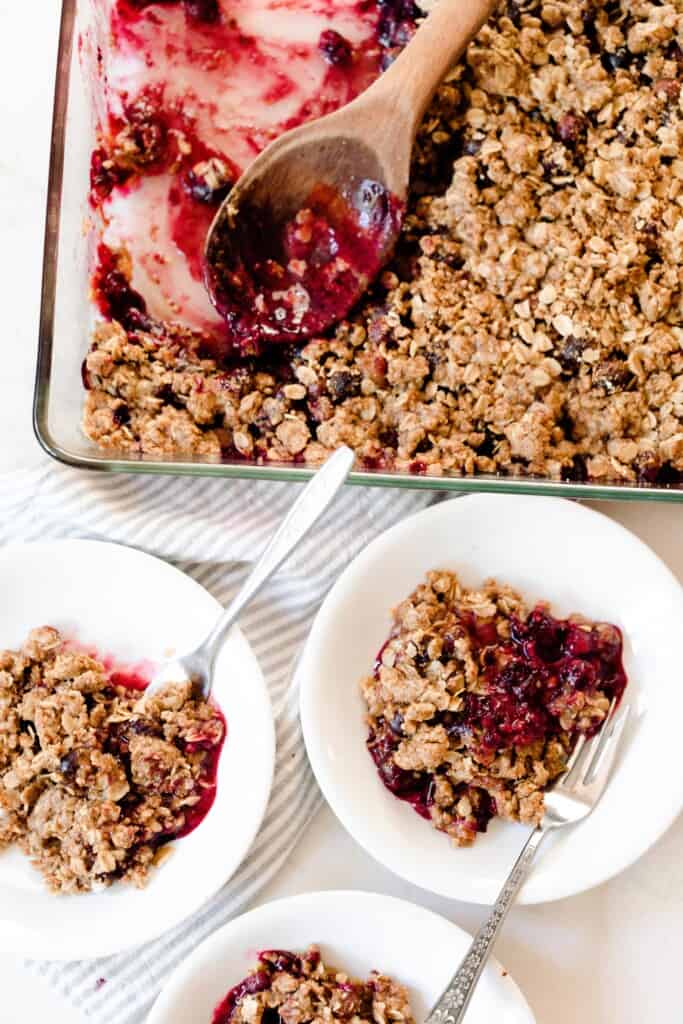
point(330, 193)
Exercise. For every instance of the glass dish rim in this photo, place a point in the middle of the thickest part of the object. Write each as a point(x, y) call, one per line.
point(236, 470)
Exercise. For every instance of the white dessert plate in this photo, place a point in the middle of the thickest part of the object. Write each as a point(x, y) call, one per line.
point(135, 608)
point(357, 932)
point(548, 548)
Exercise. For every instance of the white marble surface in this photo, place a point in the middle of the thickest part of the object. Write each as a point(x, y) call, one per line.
point(608, 957)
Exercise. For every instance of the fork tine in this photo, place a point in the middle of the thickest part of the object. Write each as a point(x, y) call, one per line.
point(601, 737)
point(581, 756)
point(584, 753)
point(603, 759)
point(578, 747)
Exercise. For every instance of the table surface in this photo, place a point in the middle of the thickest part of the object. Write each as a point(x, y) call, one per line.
point(610, 956)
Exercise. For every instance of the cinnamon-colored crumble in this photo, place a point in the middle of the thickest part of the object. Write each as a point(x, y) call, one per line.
point(532, 320)
point(94, 781)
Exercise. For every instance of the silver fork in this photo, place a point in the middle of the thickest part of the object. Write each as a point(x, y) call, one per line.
point(573, 797)
point(317, 495)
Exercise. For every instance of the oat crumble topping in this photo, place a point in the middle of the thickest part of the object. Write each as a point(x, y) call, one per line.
point(92, 783)
point(476, 701)
point(532, 320)
point(295, 989)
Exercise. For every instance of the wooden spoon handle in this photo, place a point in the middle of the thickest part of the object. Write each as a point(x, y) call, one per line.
point(434, 49)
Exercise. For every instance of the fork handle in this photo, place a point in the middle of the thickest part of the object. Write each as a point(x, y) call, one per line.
point(452, 1006)
point(315, 498)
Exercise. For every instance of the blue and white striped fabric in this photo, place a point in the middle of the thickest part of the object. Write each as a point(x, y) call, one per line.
point(211, 529)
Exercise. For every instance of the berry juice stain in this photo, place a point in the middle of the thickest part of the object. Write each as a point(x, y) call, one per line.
point(188, 83)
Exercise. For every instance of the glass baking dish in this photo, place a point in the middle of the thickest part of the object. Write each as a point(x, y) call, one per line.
point(66, 320)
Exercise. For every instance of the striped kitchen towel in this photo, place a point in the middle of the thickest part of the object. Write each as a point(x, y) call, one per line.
point(211, 529)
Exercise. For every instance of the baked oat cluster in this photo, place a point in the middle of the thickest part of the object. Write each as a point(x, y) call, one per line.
point(532, 320)
point(92, 783)
point(285, 987)
point(476, 701)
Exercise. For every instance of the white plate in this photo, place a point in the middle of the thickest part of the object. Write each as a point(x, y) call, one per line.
point(357, 932)
point(135, 607)
point(547, 548)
